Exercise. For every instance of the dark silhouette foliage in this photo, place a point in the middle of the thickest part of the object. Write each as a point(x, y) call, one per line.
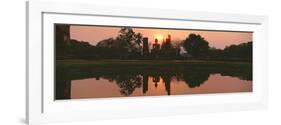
point(129, 45)
point(196, 45)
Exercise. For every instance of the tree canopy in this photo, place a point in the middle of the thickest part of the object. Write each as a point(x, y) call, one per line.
point(129, 39)
point(196, 45)
point(128, 44)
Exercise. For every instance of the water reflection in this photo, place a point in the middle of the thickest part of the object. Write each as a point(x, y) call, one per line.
point(92, 83)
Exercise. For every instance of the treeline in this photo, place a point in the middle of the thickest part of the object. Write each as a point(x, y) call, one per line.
point(129, 45)
point(240, 52)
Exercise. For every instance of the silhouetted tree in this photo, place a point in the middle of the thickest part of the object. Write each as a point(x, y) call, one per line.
point(81, 49)
point(240, 51)
point(62, 38)
point(108, 43)
point(215, 53)
point(129, 39)
point(196, 45)
point(128, 45)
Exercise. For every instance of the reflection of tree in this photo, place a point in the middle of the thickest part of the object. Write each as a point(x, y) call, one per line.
point(131, 76)
point(128, 84)
point(63, 89)
point(195, 79)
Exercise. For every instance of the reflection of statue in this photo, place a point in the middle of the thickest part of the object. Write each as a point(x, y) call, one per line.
point(156, 79)
point(167, 81)
point(136, 77)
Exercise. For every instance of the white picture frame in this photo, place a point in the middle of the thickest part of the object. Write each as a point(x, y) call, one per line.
point(41, 107)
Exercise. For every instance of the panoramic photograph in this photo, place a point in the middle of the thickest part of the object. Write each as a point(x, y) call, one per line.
point(119, 61)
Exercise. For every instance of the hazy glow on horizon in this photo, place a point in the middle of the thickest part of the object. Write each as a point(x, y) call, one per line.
point(218, 39)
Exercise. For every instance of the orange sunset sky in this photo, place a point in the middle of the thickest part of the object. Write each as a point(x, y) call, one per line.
point(218, 39)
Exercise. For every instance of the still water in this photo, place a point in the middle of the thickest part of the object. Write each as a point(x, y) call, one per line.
point(105, 80)
point(155, 86)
